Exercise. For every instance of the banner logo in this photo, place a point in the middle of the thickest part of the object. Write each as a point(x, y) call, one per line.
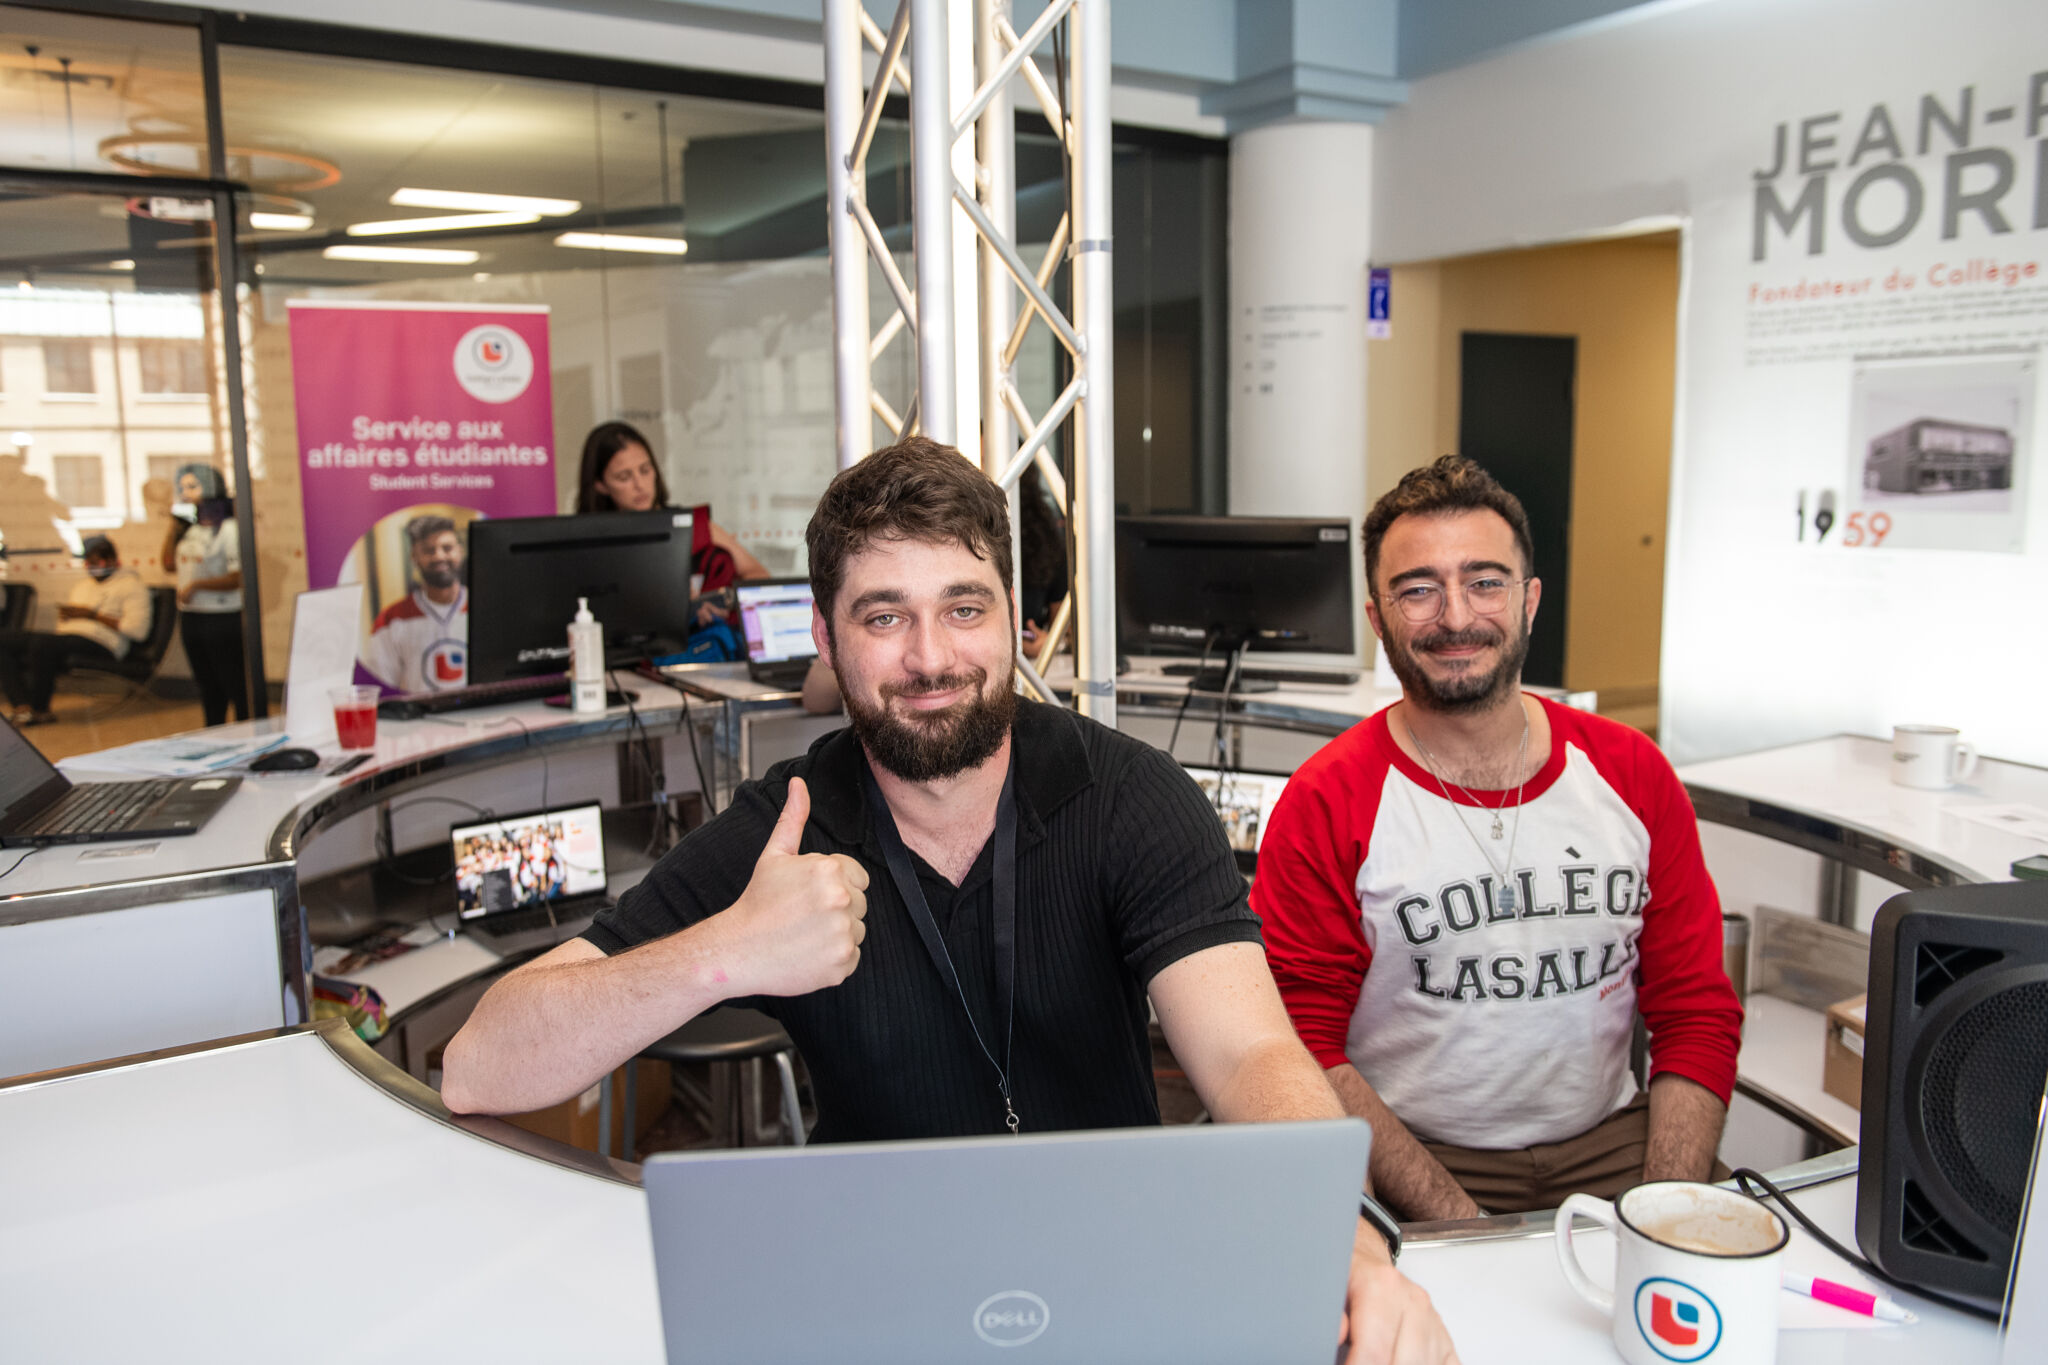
point(1678, 1321)
point(493, 364)
point(1011, 1318)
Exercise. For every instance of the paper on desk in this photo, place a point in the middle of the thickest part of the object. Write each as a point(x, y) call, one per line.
point(179, 756)
point(2028, 822)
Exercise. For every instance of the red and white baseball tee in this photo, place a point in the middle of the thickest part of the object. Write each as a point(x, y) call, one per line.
point(1479, 1025)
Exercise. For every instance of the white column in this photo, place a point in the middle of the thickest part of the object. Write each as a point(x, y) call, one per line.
point(1300, 241)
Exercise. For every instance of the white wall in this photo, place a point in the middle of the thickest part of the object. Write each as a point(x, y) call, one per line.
point(1670, 111)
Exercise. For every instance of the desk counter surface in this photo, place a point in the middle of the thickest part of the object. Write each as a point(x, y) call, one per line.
point(233, 1222)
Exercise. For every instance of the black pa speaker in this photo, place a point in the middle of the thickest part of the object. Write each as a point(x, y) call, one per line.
point(1954, 1061)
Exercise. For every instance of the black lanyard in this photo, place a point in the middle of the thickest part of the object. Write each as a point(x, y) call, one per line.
point(1005, 929)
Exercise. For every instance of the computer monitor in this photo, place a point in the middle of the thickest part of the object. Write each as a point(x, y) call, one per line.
point(776, 617)
point(525, 574)
point(522, 860)
point(1273, 584)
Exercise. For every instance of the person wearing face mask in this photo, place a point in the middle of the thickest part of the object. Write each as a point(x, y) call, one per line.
point(203, 549)
point(106, 613)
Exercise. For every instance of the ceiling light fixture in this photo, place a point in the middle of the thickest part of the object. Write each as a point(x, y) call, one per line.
point(280, 222)
point(405, 255)
point(452, 223)
point(613, 241)
point(121, 265)
point(463, 200)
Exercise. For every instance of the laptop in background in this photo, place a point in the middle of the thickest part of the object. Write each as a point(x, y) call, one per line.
point(1218, 1243)
point(1244, 803)
point(531, 874)
point(39, 805)
point(776, 617)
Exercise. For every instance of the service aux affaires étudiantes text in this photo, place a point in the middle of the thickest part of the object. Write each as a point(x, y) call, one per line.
point(477, 445)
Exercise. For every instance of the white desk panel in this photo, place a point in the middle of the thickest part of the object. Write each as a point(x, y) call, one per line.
point(1784, 1047)
point(266, 1202)
point(1847, 779)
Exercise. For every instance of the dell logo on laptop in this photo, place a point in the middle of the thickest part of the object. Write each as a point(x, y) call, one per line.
point(1011, 1318)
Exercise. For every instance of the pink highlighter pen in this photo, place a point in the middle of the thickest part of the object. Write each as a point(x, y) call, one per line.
point(1844, 1296)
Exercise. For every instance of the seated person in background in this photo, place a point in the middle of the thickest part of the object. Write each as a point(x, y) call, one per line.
point(420, 643)
point(619, 475)
point(107, 612)
point(1100, 847)
point(1468, 898)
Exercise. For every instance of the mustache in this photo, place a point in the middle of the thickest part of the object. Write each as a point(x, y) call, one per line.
point(937, 682)
point(1458, 639)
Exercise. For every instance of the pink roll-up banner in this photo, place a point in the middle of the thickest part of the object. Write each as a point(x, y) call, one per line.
point(414, 419)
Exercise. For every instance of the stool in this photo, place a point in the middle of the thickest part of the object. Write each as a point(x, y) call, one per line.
point(722, 1037)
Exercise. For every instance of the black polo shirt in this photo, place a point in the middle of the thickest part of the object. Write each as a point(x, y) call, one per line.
point(1122, 869)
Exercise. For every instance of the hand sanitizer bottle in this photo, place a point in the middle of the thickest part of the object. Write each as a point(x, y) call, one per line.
point(586, 659)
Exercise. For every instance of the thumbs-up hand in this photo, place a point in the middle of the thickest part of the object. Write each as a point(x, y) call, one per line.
point(798, 926)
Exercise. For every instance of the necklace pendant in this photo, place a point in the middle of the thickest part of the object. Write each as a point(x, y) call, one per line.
point(1498, 828)
point(1010, 1117)
point(1505, 899)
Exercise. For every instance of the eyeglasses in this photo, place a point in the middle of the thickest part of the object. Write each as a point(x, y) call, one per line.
point(1421, 603)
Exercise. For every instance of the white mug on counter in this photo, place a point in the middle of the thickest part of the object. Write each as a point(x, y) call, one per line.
point(1696, 1272)
point(1931, 757)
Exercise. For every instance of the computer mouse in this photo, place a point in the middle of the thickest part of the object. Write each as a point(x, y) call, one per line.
point(285, 761)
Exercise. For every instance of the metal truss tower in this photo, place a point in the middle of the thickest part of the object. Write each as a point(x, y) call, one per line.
point(975, 297)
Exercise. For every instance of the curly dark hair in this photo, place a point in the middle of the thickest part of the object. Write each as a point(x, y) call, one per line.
point(916, 489)
point(1451, 484)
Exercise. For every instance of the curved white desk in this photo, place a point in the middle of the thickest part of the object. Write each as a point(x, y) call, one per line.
point(293, 1194)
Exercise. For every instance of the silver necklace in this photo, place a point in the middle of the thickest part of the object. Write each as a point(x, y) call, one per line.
point(1504, 892)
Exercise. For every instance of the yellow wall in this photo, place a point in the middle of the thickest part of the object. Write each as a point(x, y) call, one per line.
point(1620, 299)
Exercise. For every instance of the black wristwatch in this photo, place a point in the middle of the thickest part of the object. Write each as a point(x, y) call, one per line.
point(1371, 1210)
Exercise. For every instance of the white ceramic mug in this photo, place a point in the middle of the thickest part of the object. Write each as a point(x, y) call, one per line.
point(1930, 757)
point(1695, 1272)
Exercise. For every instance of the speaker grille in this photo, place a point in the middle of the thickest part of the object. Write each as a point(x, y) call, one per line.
point(1981, 1099)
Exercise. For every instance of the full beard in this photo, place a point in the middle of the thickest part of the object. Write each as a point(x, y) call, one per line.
point(439, 577)
point(939, 745)
point(1464, 692)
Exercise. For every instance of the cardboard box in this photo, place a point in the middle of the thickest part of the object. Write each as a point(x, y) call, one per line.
point(1842, 1071)
point(574, 1121)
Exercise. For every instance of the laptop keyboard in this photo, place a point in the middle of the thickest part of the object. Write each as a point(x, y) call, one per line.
point(96, 807)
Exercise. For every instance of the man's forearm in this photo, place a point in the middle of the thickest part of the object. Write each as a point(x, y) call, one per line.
point(1276, 1081)
point(552, 1029)
point(1404, 1175)
point(1685, 1129)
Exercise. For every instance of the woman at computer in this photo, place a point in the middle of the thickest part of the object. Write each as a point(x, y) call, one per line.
point(202, 548)
point(619, 475)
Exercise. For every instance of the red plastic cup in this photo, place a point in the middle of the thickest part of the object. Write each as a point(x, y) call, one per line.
point(355, 716)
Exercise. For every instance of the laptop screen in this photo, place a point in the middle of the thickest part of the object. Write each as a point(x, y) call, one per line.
point(525, 860)
point(777, 618)
point(28, 781)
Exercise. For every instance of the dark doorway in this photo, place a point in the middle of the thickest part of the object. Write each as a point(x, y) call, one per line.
point(1515, 417)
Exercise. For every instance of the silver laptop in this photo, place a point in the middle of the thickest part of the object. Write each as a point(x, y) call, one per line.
point(776, 616)
point(532, 878)
point(1215, 1243)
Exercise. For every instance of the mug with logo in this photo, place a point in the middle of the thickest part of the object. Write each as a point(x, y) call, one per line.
point(1695, 1272)
point(1931, 757)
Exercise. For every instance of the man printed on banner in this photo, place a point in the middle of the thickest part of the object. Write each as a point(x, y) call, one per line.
point(420, 643)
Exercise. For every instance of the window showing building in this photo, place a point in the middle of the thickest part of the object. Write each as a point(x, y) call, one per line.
point(79, 480)
point(67, 365)
point(172, 364)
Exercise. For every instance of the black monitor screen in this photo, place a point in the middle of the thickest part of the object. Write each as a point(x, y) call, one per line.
point(1277, 584)
point(525, 574)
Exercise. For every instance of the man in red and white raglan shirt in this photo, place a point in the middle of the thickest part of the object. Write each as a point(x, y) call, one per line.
point(1468, 898)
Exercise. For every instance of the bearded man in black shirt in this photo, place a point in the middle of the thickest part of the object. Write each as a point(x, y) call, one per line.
point(957, 907)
